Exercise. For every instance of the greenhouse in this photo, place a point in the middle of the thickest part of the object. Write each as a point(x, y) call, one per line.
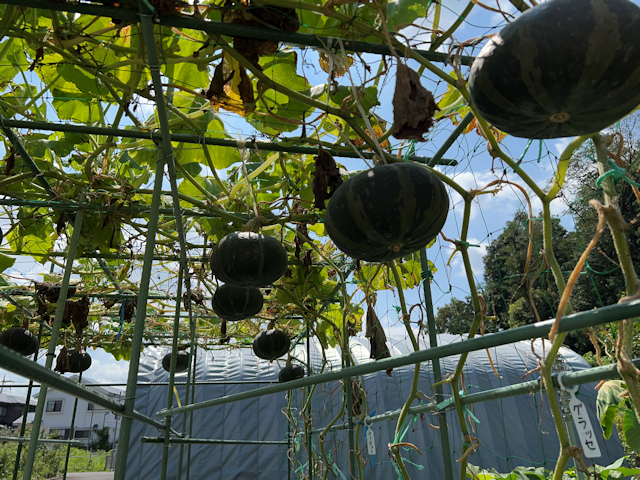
point(313, 240)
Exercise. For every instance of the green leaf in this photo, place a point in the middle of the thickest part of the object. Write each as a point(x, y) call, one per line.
point(6, 262)
point(608, 404)
point(631, 430)
point(404, 11)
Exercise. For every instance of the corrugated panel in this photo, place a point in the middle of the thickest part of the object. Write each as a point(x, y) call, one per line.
point(513, 431)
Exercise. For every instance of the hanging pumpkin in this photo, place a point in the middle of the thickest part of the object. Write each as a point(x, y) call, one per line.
point(387, 212)
point(248, 259)
point(182, 361)
point(79, 361)
point(237, 303)
point(21, 340)
point(291, 372)
point(563, 68)
point(271, 344)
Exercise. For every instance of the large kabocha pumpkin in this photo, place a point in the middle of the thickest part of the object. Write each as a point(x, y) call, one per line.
point(387, 212)
point(237, 303)
point(182, 361)
point(21, 340)
point(271, 344)
point(248, 259)
point(564, 68)
point(79, 361)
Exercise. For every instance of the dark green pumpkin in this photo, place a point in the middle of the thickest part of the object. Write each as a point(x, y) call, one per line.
point(563, 68)
point(291, 372)
point(182, 361)
point(21, 340)
point(248, 259)
point(237, 303)
point(387, 212)
point(78, 361)
point(271, 344)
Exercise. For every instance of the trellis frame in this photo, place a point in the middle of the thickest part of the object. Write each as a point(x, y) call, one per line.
point(17, 364)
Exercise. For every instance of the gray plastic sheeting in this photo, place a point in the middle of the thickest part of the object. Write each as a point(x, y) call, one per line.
point(512, 432)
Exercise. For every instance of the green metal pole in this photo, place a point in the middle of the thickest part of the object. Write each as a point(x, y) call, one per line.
point(189, 22)
point(435, 160)
point(435, 364)
point(37, 174)
point(136, 342)
point(53, 342)
point(22, 440)
point(25, 412)
point(212, 441)
point(590, 375)
point(154, 66)
point(203, 140)
point(172, 373)
point(73, 422)
point(577, 321)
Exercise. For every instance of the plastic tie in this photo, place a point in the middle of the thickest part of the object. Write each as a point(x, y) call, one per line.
point(616, 173)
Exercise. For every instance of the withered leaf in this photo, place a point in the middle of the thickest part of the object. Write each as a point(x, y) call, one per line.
point(377, 338)
point(62, 361)
point(413, 106)
point(326, 178)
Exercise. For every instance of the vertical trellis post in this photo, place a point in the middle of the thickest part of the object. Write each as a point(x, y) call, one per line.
point(435, 364)
point(71, 429)
point(23, 425)
point(172, 373)
point(51, 352)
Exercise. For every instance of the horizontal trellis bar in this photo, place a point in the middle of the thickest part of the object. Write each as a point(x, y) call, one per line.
point(159, 384)
point(214, 441)
point(575, 321)
point(40, 440)
point(201, 139)
point(301, 39)
point(595, 374)
point(15, 363)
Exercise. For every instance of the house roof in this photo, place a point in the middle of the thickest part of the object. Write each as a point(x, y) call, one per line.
point(13, 399)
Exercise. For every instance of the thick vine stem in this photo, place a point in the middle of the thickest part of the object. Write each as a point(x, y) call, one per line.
point(413, 393)
point(618, 228)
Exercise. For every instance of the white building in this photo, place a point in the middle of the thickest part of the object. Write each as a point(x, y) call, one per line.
point(58, 413)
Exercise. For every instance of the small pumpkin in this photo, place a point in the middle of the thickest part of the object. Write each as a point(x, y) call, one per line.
point(291, 372)
point(248, 259)
point(79, 361)
point(237, 303)
point(182, 361)
point(271, 344)
point(387, 212)
point(563, 68)
point(21, 340)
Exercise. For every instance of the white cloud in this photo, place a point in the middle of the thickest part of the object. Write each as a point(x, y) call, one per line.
point(561, 144)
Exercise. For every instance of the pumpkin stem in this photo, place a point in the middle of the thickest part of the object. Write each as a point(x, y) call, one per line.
point(252, 225)
point(396, 247)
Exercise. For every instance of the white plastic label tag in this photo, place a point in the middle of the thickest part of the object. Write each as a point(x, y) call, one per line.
point(371, 442)
point(586, 433)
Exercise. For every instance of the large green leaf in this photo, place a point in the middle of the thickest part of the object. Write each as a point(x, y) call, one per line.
point(608, 404)
point(405, 11)
point(6, 262)
point(631, 430)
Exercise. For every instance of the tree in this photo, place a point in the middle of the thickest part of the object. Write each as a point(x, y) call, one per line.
point(518, 300)
point(102, 443)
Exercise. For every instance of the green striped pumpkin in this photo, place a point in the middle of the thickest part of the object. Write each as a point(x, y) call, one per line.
point(182, 361)
point(237, 303)
point(564, 68)
point(271, 344)
point(248, 259)
point(21, 340)
point(387, 212)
